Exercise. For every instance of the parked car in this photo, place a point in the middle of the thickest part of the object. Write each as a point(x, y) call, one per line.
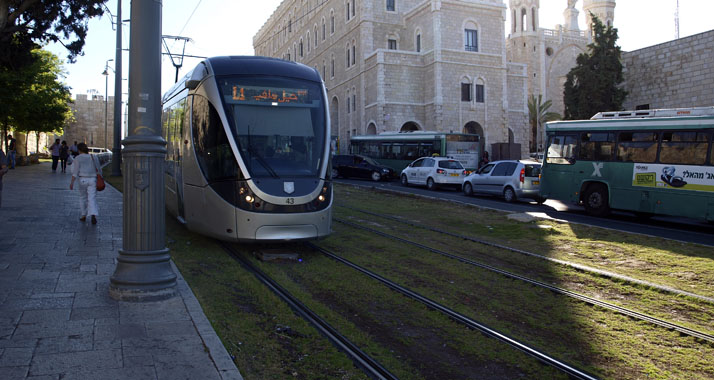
point(512, 179)
point(434, 172)
point(355, 165)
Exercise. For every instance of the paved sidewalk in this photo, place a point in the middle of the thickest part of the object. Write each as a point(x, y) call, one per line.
point(57, 320)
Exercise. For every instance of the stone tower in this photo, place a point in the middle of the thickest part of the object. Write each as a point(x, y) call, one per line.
point(523, 42)
point(603, 9)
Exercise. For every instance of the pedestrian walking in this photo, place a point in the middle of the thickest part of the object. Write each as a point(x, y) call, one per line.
point(84, 170)
point(3, 169)
point(55, 149)
point(73, 150)
point(64, 154)
point(11, 151)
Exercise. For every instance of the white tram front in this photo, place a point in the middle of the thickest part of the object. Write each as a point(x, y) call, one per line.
point(248, 150)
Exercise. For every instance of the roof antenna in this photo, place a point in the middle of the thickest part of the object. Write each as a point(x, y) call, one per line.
point(676, 22)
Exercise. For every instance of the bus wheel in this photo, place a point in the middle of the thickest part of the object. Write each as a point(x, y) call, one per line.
point(509, 195)
point(430, 184)
point(596, 200)
point(404, 180)
point(376, 176)
point(468, 189)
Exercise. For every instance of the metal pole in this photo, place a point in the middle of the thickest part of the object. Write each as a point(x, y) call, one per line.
point(116, 153)
point(106, 100)
point(143, 271)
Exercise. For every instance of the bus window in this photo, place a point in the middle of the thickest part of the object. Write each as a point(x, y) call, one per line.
point(685, 147)
point(637, 147)
point(596, 146)
point(561, 149)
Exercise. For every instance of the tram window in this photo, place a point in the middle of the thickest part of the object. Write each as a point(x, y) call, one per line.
point(213, 151)
point(596, 146)
point(561, 149)
point(685, 147)
point(637, 147)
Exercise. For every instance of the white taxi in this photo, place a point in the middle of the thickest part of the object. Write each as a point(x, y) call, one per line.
point(434, 172)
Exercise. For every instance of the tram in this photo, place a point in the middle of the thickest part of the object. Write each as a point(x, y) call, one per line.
point(248, 150)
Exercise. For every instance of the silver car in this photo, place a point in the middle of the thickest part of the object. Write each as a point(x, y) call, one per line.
point(512, 179)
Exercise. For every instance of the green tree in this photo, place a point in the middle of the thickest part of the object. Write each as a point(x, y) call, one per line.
point(537, 115)
point(592, 85)
point(24, 24)
point(42, 103)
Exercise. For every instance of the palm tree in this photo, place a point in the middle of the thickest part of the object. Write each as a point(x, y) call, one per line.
point(537, 115)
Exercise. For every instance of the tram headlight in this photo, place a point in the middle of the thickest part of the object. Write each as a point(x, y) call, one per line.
point(249, 198)
point(321, 198)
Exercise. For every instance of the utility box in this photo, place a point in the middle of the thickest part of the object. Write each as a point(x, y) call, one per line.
point(505, 151)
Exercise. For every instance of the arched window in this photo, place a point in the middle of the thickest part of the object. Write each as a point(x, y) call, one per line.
point(315, 34)
point(348, 10)
point(354, 99)
point(417, 40)
point(308, 42)
point(300, 48)
point(371, 129)
point(466, 90)
point(480, 91)
point(332, 22)
point(524, 21)
point(354, 52)
point(347, 55)
point(332, 66)
point(348, 101)
point(533, 18)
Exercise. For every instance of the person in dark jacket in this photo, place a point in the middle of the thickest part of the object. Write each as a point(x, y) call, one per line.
point(63, 155)
point(55, 150)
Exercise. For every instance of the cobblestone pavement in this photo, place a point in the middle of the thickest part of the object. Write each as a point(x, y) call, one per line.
point(57, 320)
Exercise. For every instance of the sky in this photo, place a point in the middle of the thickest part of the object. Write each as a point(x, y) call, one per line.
point(227, 27)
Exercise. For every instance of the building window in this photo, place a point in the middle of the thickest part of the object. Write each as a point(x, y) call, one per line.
point(324, 70)
point(391, 5)
point(465, 92)
point(348, 57)
point(479, 93)
point(348, 11)
point(354, 102)
point(315, 33)
point(332, 67)
point(354, 5)
point(418, 43)
point(348, 102)
point(353, 54)
point(332, 22)
point(323, 29)
point(290, 26)
point(288, 56)
point(392, 44)
point(471, 39)
point(300, 48)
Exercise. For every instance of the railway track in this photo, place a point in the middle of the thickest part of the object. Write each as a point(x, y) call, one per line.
point(458, 317)
point(370, 366)
point(583, 298)
point(580, 267)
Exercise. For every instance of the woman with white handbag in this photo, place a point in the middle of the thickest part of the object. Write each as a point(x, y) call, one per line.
point(85, 170)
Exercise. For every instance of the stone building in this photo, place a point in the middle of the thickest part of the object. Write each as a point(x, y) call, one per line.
point(89, 123)
point(549, 54)
point(398, 65)
point(674, 74)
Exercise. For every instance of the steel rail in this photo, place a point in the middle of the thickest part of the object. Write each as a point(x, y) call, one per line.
point(371, 367)
point(580, 267)
point(560, 365)
point(578, 296)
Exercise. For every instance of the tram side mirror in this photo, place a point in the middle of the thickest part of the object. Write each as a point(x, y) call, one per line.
point(195, 79)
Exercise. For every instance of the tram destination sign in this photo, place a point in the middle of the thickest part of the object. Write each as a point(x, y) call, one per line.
point(261, 94)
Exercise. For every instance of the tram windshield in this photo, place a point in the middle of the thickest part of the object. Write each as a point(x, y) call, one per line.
point(278, 123)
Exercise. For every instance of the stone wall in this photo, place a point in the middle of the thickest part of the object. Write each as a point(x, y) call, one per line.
point(88, 126)
point(674, 74)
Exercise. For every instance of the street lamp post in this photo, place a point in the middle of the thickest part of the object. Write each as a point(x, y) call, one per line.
point(106, 93)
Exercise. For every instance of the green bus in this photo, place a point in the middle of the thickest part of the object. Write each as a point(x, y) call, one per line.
point(399, 149)
point(650, 162)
